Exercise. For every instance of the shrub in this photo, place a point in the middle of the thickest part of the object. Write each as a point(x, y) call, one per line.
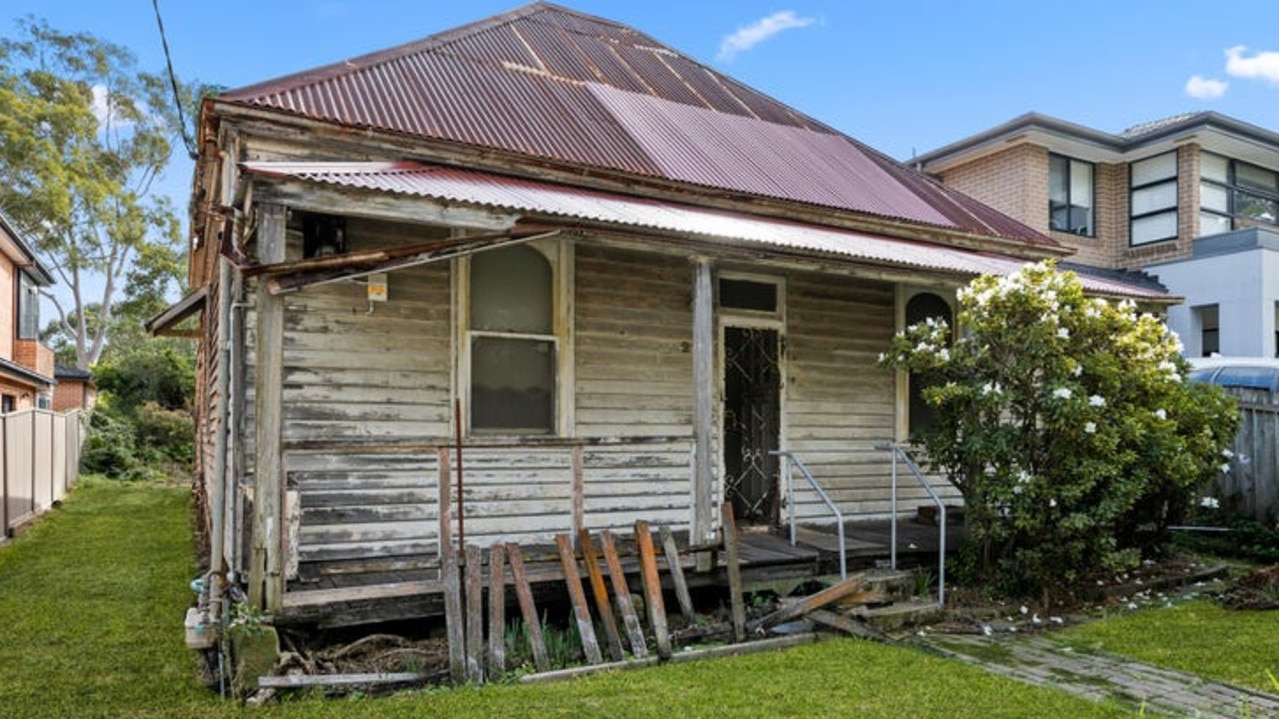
point(1066, 423)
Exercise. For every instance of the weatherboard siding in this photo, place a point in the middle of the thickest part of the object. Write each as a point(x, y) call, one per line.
point(839, 404)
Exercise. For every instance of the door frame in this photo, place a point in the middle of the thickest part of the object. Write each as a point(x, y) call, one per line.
point(726, 317)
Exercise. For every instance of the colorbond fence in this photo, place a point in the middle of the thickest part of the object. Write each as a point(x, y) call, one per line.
point(39, 462)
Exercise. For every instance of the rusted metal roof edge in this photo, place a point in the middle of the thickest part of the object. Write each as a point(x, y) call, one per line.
point(546, 200)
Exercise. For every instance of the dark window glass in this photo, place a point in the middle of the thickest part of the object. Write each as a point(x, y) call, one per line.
point(28, 308)
point(1070, 195)
point(513, 350)
point(922, 306)
point(747, 295)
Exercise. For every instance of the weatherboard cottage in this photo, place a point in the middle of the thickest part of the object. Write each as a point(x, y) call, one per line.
point(540, 273)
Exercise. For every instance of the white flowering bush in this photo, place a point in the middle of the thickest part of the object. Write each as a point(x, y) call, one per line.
point(1067, 424)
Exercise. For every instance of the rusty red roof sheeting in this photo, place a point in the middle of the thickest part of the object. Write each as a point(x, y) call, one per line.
point(554, 84)
point(545, 200)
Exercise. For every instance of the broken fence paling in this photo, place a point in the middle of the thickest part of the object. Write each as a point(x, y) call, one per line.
point(464, 607)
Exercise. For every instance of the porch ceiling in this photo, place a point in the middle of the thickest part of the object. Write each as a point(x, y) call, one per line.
point(541, 201)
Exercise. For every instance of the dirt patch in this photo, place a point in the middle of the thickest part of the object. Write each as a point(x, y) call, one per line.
point(1255, 590)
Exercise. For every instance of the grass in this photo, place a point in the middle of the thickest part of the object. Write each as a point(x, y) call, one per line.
point(91, 605)
point(1199, 637)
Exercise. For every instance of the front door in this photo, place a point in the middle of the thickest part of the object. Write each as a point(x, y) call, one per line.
point(751, 412)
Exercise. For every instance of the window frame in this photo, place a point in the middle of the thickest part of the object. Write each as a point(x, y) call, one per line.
point(1173, 210)
point(906, 293)
point(28, 308)
point(558, 253)
point(1232, 187)
point(1069, 185)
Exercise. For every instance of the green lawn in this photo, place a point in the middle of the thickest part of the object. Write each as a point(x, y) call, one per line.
point(1200, 637)
point(92, 599)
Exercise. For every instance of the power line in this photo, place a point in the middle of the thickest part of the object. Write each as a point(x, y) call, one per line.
point(173, 82)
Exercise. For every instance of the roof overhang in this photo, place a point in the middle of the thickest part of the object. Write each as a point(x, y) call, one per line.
point(545, 204)
point(13, 370)
point(165, 323)
point(17, 250)
point(1212, 131)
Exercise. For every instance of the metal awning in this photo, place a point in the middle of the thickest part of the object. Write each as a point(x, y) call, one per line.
point(543, 200)
point(163, 324)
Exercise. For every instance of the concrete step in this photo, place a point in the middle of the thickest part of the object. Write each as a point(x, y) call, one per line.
point(902, 616)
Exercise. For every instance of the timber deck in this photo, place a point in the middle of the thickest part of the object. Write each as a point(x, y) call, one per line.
point(765, 557)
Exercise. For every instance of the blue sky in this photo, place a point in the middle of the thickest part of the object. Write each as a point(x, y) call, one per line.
point(903, 76)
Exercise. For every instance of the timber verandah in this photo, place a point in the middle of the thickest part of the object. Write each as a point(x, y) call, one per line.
point(341, 586)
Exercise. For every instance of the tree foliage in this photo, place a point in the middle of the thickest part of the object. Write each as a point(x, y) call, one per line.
point(1066, 423)
point(83, 136)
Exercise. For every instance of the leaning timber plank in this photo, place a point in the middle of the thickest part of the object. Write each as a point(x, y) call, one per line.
point(453, 617)
point(474, 614)
point(792, 610)
point(622, 593)
point(847, 625)
point(653, 589)
point(532, 624)
point(677, 573)
point(339, 680)
point(600, 590)
point(497, 611)
point(734, 571)
point(581, 612)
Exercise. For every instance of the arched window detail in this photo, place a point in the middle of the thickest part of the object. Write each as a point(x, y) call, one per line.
point(919, 308)
point(513, 345)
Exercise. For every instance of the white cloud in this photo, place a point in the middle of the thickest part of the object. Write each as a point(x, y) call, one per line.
point(1263, 65)
point(751, 35)
point(1202, 88)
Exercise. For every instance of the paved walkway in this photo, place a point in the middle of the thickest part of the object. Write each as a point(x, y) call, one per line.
point(1038, 659)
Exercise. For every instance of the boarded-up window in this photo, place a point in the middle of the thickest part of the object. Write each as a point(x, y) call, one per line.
point(512, 342)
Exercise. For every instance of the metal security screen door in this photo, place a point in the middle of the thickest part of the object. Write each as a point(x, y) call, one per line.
point(752, 388)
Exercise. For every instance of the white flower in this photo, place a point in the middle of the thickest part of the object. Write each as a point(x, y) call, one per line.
point(1063, 333)
point(1062, 393)
point(1161, 414)
point(923, 347)
point(1209, 503)
point(1090, 427)
point(881, 357)
point(1227, 453)
point(1096, 401)
point(1024, 609)
point(1225, 468)
point(1023, 477)
point(943, 354)
point(1078, 370)
point(1052, 503)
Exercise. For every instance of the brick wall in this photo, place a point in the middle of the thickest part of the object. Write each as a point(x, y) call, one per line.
point(24, 395)
point(34, 356)
point(72, 394)
point(1014, 181)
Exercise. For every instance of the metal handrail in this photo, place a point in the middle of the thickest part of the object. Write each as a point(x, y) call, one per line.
point(898, 450)
point(793, 461)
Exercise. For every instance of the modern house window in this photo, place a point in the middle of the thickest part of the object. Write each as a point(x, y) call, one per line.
point(1153, 199)
point(28, 308)
point(1070, 195)
point(920, 308)
point(513, 345)
point(1208, 319)
point(1234, 194)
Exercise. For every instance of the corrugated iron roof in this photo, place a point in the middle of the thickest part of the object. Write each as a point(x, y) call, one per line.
point(551, 83)
point(542, 200)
